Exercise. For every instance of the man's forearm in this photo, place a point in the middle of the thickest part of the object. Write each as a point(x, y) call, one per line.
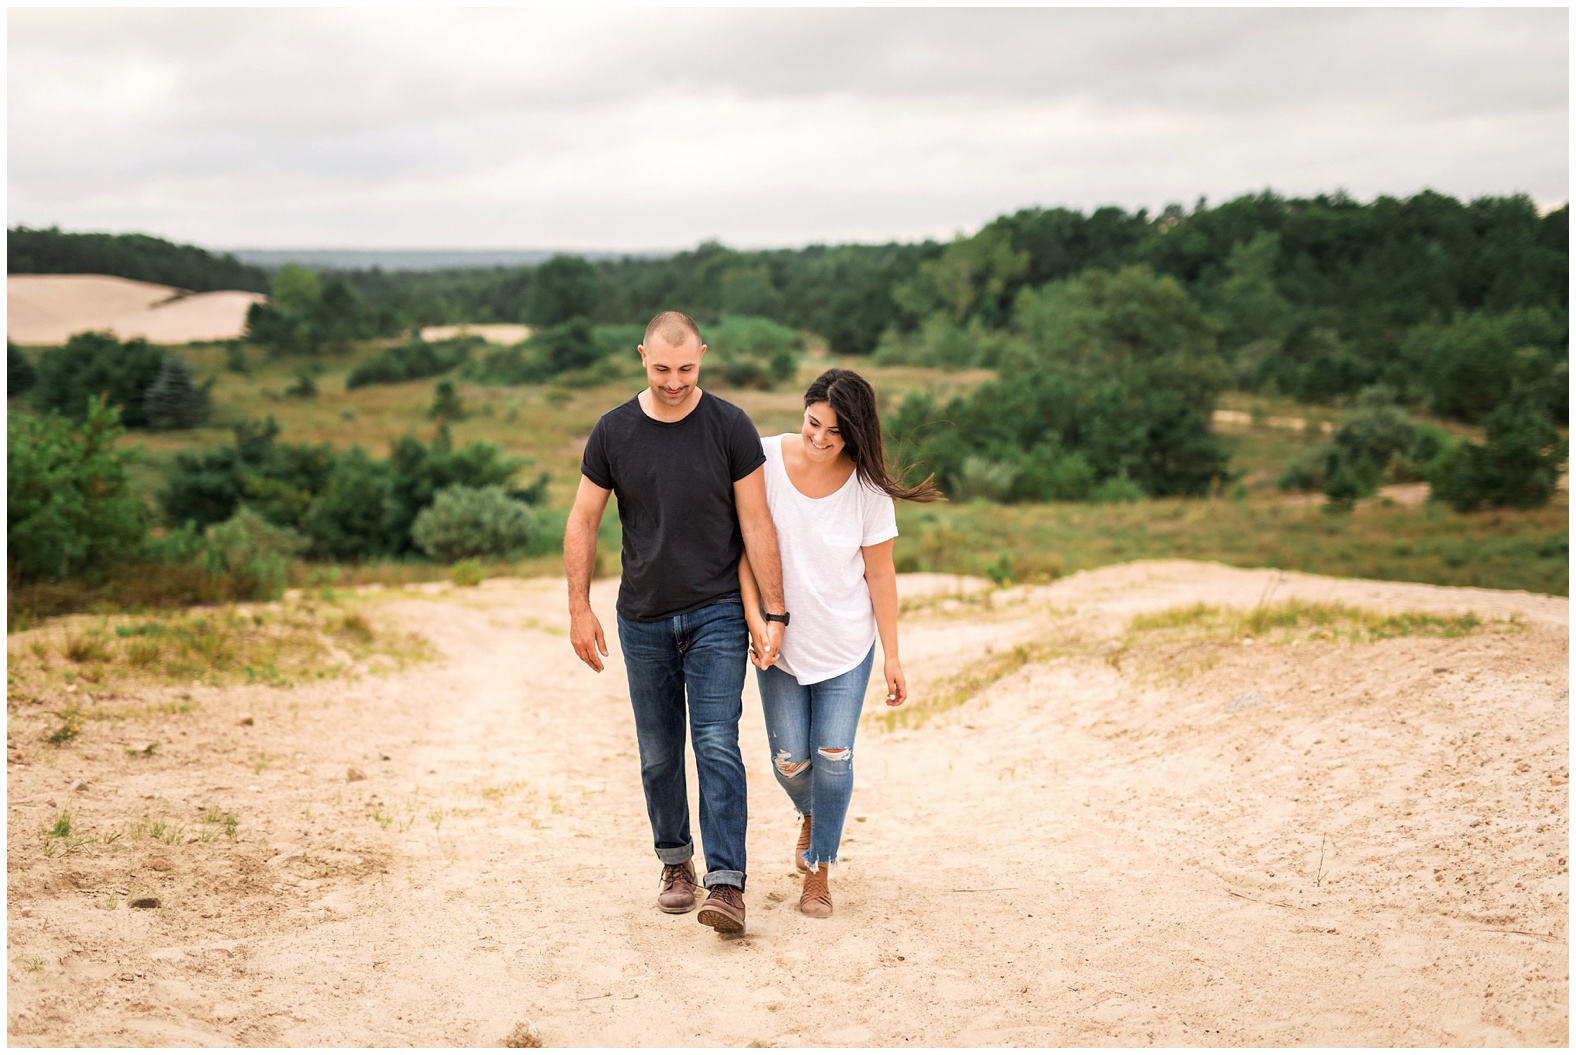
point(579, 561)
point(760, 544)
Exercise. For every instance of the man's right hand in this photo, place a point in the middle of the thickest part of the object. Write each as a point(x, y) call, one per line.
point(585, 633)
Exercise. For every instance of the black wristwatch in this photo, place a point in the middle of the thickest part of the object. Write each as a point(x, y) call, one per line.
point(772, 618)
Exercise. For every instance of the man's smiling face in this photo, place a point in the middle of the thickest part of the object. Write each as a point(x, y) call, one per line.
point(672, 370)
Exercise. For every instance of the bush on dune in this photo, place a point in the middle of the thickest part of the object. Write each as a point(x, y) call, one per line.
point(413, 360)
point(70, 511)
point(94, 364)
point(473, 522)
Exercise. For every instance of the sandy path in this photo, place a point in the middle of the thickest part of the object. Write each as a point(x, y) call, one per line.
point(1091, 851)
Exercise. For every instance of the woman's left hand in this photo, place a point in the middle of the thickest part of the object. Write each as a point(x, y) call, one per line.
point(897, 686)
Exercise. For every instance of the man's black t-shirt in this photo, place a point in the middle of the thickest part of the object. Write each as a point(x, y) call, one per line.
point(674, 483)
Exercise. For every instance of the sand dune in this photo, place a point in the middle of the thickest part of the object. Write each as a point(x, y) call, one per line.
point(1326, 843)
point(494, 333)
point(48, 309)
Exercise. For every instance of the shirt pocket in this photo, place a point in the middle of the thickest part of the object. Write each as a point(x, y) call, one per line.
point(842, 552)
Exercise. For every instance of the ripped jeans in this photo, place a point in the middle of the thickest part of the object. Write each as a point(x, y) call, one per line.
point(811, 732)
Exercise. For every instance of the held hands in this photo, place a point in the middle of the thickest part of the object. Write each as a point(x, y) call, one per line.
point(585, 634)
point(897, 685)
point(766, 640)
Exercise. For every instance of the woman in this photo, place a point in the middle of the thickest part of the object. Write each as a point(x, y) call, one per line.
point(831, 499)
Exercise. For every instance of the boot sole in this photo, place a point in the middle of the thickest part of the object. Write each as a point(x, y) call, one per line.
point(720, 921)
point(677, 911)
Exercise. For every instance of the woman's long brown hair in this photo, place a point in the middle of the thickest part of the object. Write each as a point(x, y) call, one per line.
point(854, 402)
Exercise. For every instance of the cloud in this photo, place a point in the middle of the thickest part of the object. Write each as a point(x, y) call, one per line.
point(640, 128)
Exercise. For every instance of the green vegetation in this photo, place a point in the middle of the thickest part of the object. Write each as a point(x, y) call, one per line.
point(1376, 443)
point(20, 376)
point(1502, 549)
point(473, 522)
point(1104, 377)
point(69, 507)
point(413, 359)
point(306, 316)
point(1302, 620)
point(1051, 358)
point(125, 375)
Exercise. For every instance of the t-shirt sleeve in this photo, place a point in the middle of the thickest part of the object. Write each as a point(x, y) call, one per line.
point(880, 518)
point(745, 454)
point(593, 463)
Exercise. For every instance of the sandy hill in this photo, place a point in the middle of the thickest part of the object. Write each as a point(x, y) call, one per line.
point(48, 309)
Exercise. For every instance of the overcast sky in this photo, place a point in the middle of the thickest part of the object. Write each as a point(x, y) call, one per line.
point(649, 129)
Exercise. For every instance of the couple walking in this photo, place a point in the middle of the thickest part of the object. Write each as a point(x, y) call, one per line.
point(728, 536)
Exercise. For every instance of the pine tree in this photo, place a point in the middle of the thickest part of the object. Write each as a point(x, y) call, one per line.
point(446, 403)
point(173, 400)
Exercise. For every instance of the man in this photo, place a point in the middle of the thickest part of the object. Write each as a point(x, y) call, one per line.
point(687, 469)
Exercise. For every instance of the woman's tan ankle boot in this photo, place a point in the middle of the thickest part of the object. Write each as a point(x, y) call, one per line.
point(816, 899)
point(802, 845)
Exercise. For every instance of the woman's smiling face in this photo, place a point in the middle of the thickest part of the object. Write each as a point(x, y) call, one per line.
point(822, 440)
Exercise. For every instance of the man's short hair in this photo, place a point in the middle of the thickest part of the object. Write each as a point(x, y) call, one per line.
point(674, 327)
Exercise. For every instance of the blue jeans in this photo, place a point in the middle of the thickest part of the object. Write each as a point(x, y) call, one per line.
point(811, 732)
point(700, 655)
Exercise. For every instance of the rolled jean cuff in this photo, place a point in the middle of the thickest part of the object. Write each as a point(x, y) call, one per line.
point(676, 855)
point(723, 878)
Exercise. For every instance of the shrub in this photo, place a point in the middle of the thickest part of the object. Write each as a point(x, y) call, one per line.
point(19, 373)
point(413, 360)
point(1517, 465)
point(96, 364)
point(69, 508)
point(368, 507)
point(353, 515)
point(446, 403)
point(983, 478)
point(304, 386)
point(1469, 367)
point(173, 400)
point(467, 572)
point(1117, 489)
point(278, 480)
point(253, 553)
point(473, 522)
point(754, 352)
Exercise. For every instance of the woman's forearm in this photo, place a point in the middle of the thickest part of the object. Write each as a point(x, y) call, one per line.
point(881, 577)
point(748, 590)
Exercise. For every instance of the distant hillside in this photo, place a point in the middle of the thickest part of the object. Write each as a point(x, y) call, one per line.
point(419, 259)
point(144, 258)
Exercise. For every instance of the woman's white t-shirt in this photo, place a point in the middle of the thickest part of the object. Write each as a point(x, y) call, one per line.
point(831, 622)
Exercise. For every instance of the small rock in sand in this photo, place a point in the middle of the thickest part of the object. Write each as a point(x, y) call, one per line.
point(246, 719)
point(523, 1035)
point(354, 774)
point(80, 785)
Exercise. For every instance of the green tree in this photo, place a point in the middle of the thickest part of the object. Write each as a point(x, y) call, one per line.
point(1468, 367)
point(96, 364)
point(70, 510)
point(446, 403)
point(562, 288)
point(174, 400)
point(19, 373)
point(1517, 465)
